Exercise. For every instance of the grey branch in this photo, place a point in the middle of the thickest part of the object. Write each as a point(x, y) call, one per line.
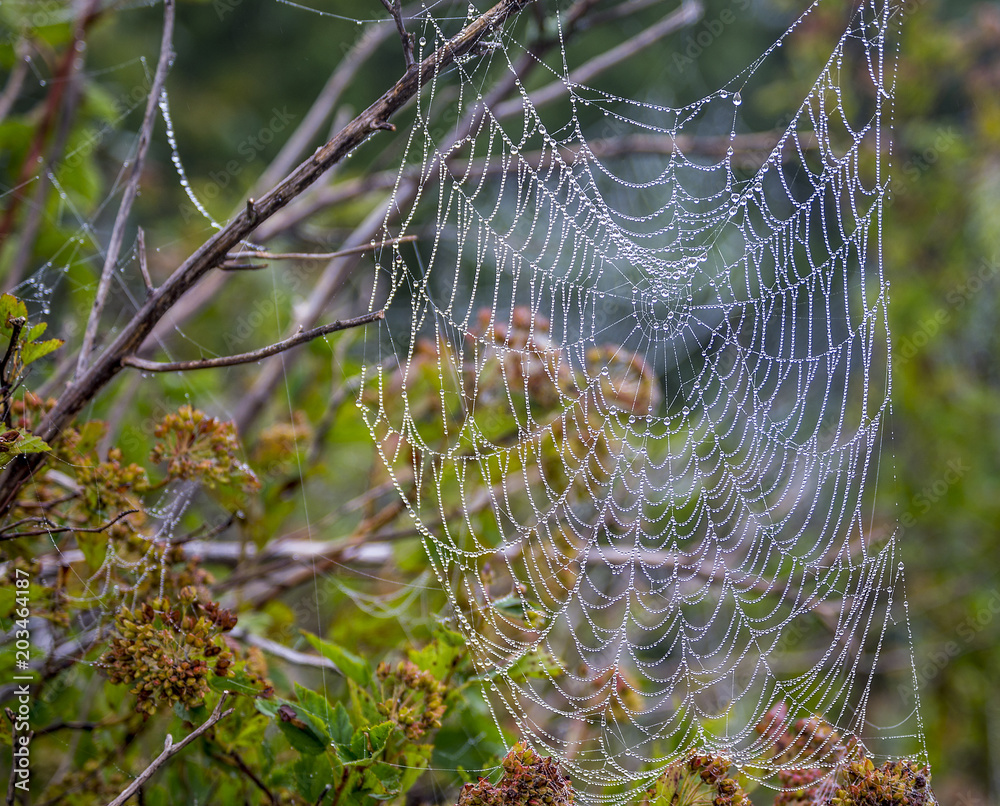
point(254, 355)
point(170, 749)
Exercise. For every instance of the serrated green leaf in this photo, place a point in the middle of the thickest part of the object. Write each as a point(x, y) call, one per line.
point(352, 667)
point(10, 308)
point(16, 442)
point(301, 729)
point(341, 729)
point(316, 704)
point(32, 351)
point(379, 735)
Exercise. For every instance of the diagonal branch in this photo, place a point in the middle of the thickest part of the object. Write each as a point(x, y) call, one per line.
point(170, 749)
point(254, 355)
point(131, 189)
point(213, 252)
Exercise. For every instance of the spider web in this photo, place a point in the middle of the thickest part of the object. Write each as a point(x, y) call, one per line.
point(633, 401)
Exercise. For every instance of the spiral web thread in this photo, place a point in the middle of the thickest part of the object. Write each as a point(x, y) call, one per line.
point(633, 401)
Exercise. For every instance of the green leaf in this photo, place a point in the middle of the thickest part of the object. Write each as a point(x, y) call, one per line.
point(315, 704)
point(301, 729)
point(16, 442)
point(10, 308)
point(341, 729)
point(367, 743)
point(379, 735)
point(352, 667)
point(32, 351)
point(311, 775)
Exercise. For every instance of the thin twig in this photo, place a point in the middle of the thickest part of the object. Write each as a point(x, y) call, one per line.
point(395, 9)
point(171, 749)
point(255, 355)
point(322, 795)
point(60, 529)
point(131, 189)
point(140, 245)
point(263, 255)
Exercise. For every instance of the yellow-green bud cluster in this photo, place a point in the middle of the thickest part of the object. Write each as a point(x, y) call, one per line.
point(197, 446)
point(412, 698)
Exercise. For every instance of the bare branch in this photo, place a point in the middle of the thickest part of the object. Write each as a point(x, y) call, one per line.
point(255, 355)
point(131, 189)
point(170, 749)
point(395, 9)
point(143, 267)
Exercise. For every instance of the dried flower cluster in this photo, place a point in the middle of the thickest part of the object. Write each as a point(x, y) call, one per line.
point(698, 780)
point(167, 653)
point(195, 445)
point(411, 697)
point(895, 783)
point(528, 780)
